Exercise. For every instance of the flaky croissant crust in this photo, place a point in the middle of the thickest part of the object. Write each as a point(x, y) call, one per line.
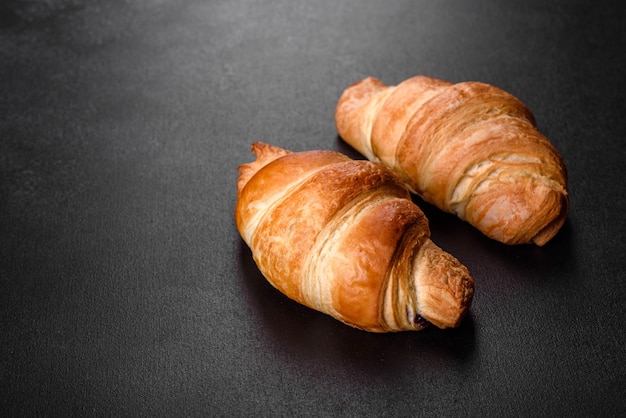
point(343, 237)
point(469, 148)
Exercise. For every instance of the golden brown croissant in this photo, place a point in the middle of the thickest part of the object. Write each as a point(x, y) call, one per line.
point(469, 148)
point(343, 237)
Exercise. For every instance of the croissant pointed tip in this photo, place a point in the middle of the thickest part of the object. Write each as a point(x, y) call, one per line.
point(265, 151)
point(265, 154)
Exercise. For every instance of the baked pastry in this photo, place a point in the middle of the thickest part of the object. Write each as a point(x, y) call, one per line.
point(470, 149)
point(343, 237)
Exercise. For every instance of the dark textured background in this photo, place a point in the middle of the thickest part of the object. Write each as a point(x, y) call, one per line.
point(126, 290)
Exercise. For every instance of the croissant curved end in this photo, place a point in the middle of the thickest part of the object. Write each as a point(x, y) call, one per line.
point(553, 227)
point(443, 285)
point(518, 213)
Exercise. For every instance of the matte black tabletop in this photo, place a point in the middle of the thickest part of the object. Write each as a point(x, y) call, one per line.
point(125, 289)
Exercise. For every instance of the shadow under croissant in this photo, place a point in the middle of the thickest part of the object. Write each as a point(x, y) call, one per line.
point(300, 332)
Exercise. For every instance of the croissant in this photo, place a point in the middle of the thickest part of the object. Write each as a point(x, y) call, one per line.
point(470, 149)
point(343, 237)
